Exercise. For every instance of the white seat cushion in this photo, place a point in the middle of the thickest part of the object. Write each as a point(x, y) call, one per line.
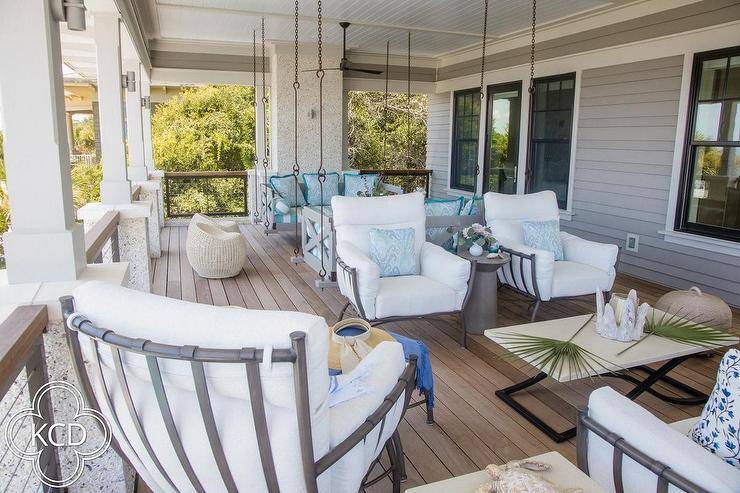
point(412, 295)
point(574, 279)
point(684, 426)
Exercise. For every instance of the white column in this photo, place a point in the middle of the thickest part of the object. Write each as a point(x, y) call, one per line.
point(146, 117)
point(115, 188)
point(45, 243)
point(134, 126)
point(70, 133)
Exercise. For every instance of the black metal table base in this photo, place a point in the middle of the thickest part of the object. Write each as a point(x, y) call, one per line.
point(640, 386)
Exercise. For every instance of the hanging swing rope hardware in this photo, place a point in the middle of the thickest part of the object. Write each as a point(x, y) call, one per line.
point(297, 258)
point(476, 170)
point(321, 171)
point(265, 161)
point(255, 212)
point(532, 48)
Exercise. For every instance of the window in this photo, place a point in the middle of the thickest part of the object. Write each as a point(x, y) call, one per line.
point(710, 184)
point(502, 136)
point(466, 122)
point(548, 164)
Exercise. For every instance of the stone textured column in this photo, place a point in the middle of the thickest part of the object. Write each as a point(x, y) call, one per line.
point(115, 188)
point(281, 110)
point(45, 243)
point(133, 237)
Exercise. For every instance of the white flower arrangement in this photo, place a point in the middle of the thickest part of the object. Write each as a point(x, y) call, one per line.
point(479, 235)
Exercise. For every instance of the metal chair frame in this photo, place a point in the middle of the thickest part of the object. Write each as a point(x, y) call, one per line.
point(666, 475)
point(250, 357)
point(518, 282)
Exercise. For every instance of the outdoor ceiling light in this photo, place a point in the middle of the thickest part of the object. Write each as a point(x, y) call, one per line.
point(70, 11)
point(128, 81)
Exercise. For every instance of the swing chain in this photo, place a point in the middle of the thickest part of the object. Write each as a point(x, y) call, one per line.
point(296, 166)
point(531, 55)
point(321, 171)
point(408, 104)
point(255, 214)
point(385, 104)
point(264, 133)
point(483, 55)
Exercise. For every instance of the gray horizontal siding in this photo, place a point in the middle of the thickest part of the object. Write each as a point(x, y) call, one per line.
point(624, 158)
point(438, 142)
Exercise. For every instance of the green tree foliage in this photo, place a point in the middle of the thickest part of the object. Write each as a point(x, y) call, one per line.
point(86, 180)
point(4, 205)
point(369, 123)
point(84, 136)
point(205, 129)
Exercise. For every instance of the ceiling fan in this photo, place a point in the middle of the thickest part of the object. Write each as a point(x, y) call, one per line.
point(344, 64)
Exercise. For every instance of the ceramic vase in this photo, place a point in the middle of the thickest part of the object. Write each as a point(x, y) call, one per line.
point(476, 250)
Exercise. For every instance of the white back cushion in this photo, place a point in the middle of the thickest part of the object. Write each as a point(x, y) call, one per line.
point(655, 438)
point(354, 217)
point(141, 315)
point(505, 212)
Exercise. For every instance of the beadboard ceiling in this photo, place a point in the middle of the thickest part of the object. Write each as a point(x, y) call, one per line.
point(438, 27)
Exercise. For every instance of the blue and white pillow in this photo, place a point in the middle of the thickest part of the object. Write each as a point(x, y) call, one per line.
point(393, 251)
point(544, 235)
point(472, 207)
point(313, 189)
point(285, 188)
point(443, 207)
point(718, 428)
point(356, 184)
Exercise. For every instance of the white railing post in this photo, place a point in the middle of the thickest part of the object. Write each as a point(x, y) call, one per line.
point(45, 243)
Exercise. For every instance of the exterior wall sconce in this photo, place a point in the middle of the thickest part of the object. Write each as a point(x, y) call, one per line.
point(70, 11)
point(146, 102)
point(128, 81)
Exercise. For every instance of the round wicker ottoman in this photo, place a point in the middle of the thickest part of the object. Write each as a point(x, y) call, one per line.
point(224, 224)
point(214, 253)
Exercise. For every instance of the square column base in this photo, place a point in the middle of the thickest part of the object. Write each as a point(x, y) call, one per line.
point(47, 256)
point(133, 237)
point(151, 191)
point(158, 175)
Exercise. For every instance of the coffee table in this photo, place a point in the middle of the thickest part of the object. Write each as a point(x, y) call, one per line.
point(652, 350)
point(562, 473)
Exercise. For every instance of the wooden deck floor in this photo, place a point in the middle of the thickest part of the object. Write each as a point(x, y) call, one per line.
point(473, 427)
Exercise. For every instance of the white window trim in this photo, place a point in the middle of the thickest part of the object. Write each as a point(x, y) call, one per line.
point(670, 235)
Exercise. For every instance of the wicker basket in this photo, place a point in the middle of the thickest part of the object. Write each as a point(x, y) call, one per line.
point(695, 305)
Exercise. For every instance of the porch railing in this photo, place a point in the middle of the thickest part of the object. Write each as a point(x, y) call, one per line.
point(405, 180)
point(101, 241)
point(82, 159)
point(216, 193)
point(22, 373)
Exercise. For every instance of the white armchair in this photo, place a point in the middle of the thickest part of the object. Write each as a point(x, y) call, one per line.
point(625, 449)
point(441, 285)
point(586, 265)
point(204, 398)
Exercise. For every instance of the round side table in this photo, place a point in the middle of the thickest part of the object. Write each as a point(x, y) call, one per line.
point(481, 310)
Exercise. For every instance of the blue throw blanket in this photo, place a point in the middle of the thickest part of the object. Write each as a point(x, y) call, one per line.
point(424, 375)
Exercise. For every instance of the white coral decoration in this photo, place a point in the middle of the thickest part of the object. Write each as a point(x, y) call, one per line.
point(517, 477)
point(621, 319)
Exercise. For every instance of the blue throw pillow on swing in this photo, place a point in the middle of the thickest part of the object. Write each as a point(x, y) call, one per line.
point(284, 186)
point(393, 251)
point(357, 185)
point(313, 188)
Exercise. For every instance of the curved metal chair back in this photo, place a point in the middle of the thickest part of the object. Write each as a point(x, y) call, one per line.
point(106, 383)
point(666, 475)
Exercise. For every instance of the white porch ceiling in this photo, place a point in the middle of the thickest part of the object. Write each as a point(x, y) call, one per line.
point(438, 26)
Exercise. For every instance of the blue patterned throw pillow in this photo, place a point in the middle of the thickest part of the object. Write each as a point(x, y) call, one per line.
point(544, 235)
point(357, 185)
point(285, 188)
point(393, 251)
point(313, 189)
point(472, 207)
point(443, 207)
point(718, 428)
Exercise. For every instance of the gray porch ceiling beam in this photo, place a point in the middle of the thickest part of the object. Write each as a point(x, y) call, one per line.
point(132, 20)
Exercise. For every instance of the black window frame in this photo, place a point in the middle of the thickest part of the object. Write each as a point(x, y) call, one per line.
point(687, 163)
point(530, 131)
point(454, 171)
point(490, 91)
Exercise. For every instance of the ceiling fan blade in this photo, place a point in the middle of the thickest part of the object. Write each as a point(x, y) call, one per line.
point(364, 71)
